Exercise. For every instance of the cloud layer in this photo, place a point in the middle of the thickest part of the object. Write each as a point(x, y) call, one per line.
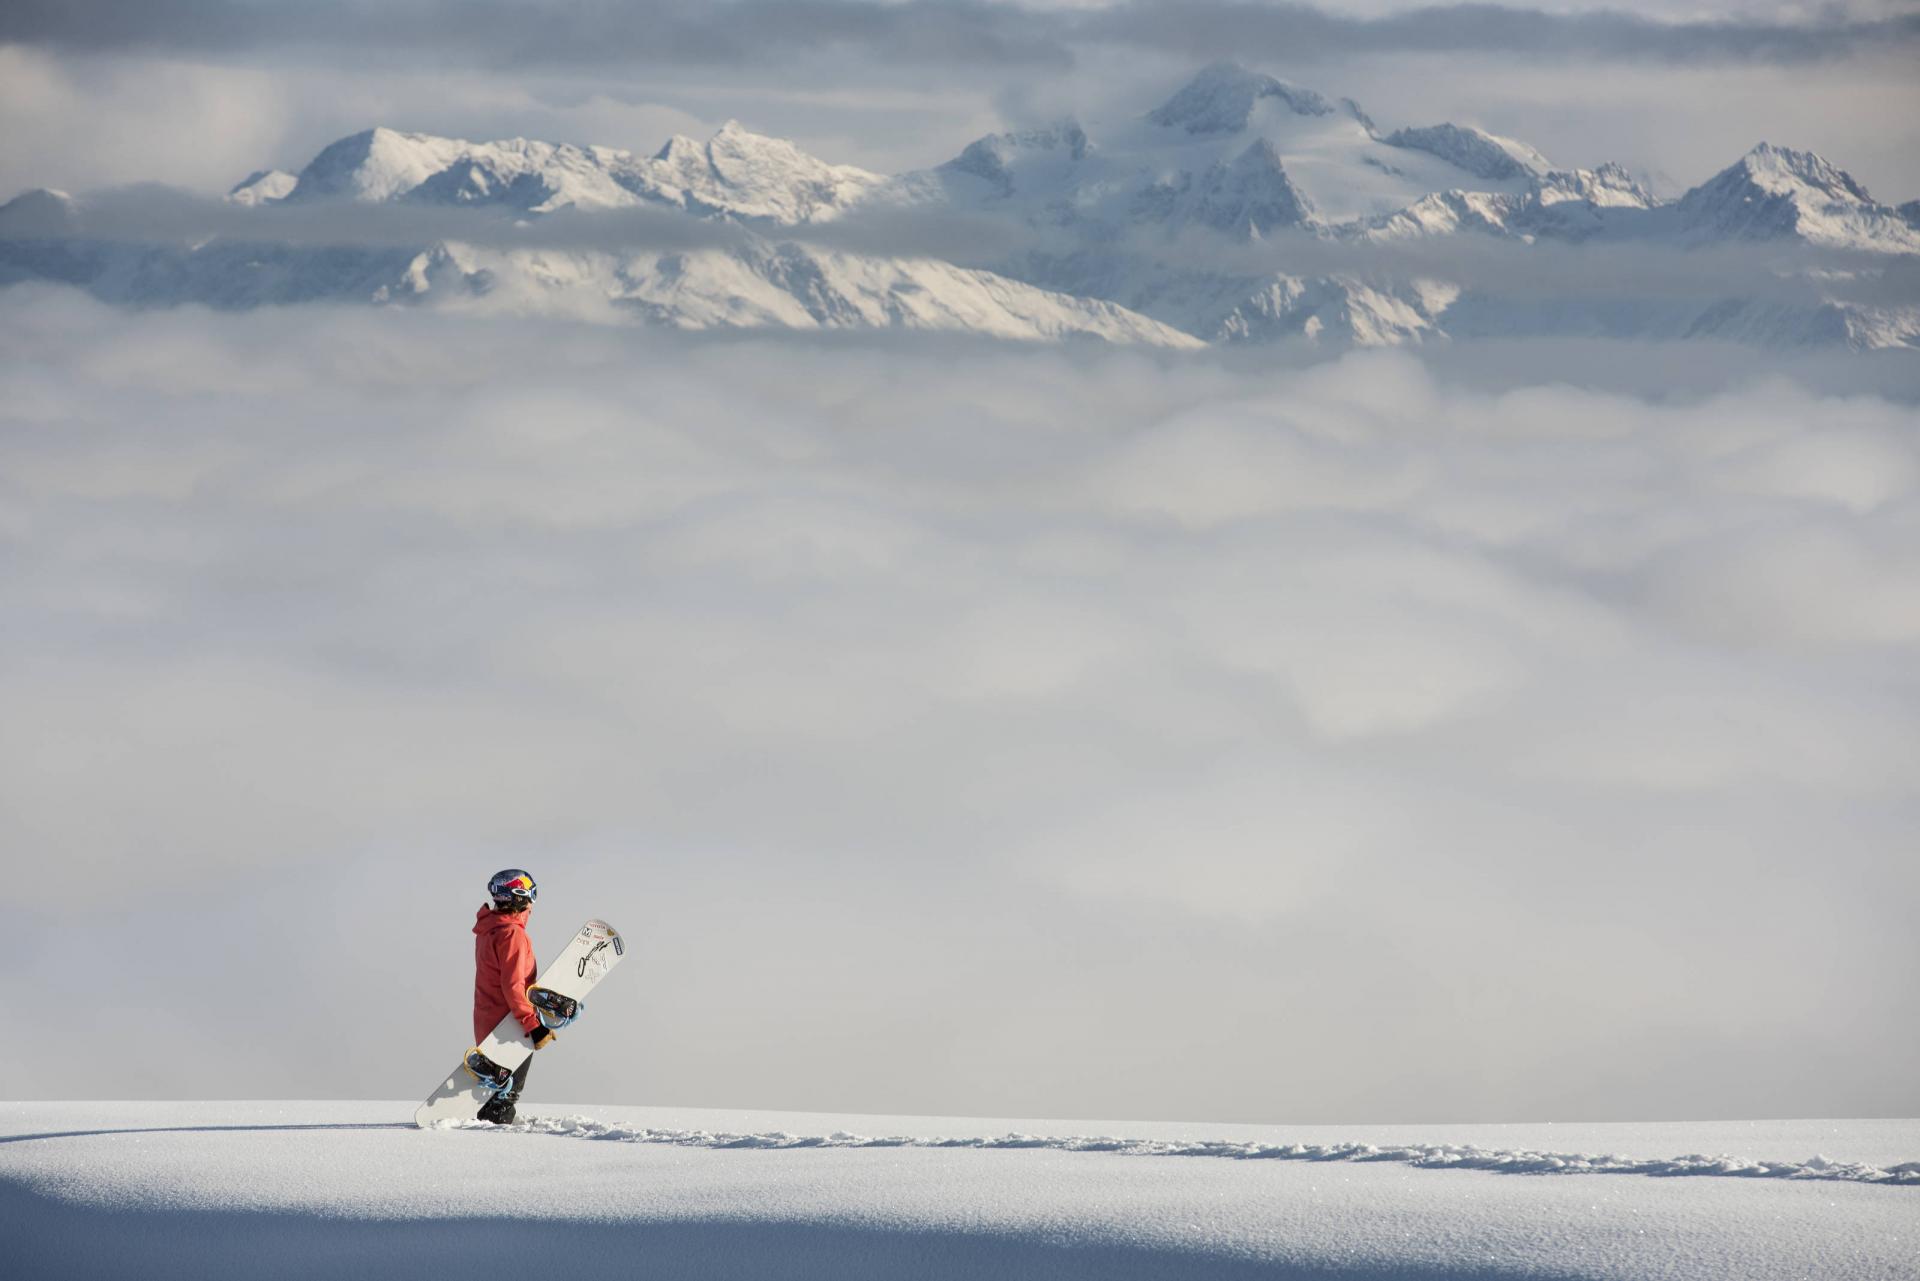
point(939, 32)
point(1788, 273)
point(203, 95)
point(961, 729)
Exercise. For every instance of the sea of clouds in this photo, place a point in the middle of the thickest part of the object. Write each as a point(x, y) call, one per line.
point(1523, 732)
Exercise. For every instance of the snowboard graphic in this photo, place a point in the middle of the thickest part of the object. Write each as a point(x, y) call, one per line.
point(585, 961)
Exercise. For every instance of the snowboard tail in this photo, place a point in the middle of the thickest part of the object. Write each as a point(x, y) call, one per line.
point(594, 950)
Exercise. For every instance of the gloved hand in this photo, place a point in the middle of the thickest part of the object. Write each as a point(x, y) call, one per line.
point(543, 1036)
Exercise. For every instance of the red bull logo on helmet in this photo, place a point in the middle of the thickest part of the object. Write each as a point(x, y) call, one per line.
point(512, 884)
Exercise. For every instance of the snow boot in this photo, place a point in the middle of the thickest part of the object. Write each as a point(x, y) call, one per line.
point(500, 1108)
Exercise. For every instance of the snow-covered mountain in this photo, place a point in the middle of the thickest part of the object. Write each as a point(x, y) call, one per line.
point(1774, 193)
point(734, 172)
point(1294, 157)
point(736, 176)
point(1163, 229)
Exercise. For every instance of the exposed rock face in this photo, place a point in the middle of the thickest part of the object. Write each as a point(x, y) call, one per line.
point(1251, 196)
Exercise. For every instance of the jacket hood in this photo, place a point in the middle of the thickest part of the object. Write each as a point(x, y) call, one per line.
point(486, 921)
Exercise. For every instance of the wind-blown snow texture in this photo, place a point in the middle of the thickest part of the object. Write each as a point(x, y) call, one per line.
point(333, 1189)
point(1234, 157)
point(1427, 1156)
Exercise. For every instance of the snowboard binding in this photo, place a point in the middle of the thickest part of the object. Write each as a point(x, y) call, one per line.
point(556, 1009)
point(490, 1074)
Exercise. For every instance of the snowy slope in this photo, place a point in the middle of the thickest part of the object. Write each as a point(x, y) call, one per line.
point(763, 282)
point(1482, 154)
point(1559, 204)
point(742, 173)
point(334, 1189)
point(788, 285)
point(263, 187)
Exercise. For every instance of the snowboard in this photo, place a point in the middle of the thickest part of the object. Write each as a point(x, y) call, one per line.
point(585, 961)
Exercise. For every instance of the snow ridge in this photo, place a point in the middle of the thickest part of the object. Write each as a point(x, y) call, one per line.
point(1482, 154)
point(1132, 236)
point(1422, 1156)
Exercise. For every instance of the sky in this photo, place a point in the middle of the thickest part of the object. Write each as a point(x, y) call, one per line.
point(203, 94)
point(1517, 732)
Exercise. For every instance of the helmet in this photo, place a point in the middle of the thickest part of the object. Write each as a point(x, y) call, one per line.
point(512, 888)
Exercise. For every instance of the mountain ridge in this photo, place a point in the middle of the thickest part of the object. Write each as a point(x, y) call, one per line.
point(1233, 154)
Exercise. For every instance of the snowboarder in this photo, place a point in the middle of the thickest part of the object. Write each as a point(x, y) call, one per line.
point(503, 966)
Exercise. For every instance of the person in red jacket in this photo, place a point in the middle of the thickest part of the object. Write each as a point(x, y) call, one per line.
point(503, 967)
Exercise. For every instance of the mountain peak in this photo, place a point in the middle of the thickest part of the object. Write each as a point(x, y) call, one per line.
point(679, 147)
point(376, 164)
point(1778, 169)
point(263, 187)
point(734, 136)
point(735, 139)
point(1607, 186)
point(1778, 193)
point(39, 212)
point(992, 158)
point(753, 175)
point(1221, 99)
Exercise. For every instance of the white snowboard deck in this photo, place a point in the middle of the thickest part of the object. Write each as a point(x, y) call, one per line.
point(594, 950)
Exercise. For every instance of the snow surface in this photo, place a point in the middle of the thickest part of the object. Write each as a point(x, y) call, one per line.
point(1480, 153)
point(352, 1189)
point(736, 172)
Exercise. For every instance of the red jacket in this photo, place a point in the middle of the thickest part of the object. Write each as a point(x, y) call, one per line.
point(502, 969)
